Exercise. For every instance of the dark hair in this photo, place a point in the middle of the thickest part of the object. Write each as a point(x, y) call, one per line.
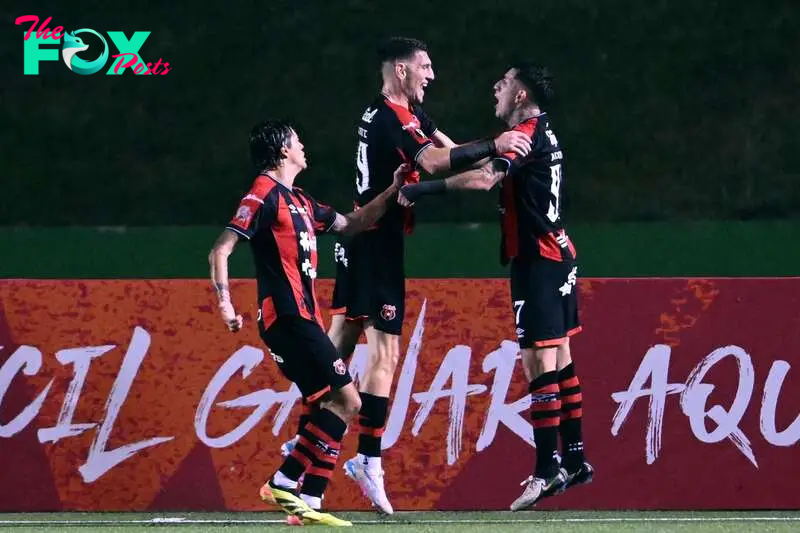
point(538, 80)
point(266, 141)
point(400, 48)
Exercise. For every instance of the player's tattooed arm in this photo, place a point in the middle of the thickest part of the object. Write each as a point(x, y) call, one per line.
point(435, 160)
point(479, 179)
point(218, 261)
point(364, 217)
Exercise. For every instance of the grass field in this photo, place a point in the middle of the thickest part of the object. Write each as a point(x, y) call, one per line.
point(419, 522)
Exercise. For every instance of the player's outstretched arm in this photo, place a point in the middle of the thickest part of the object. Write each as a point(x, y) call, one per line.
point(435, 160)
point(366, 216)
point(479, 179)
point(218, 261)
point(442, 141)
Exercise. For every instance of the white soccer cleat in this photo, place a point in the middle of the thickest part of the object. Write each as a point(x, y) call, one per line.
point(536, 488)
point(371, 483)
point(288, 447)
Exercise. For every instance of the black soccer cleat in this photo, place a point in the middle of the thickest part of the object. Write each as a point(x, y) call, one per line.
point(582, 476)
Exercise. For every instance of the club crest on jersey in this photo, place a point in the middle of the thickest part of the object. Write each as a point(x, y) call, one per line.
point(339, 367)
point(388, 312)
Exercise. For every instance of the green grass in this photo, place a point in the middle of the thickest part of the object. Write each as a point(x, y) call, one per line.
point(421, 522)
point(718, 248)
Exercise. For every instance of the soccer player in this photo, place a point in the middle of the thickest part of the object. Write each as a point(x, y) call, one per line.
point(370, 289)
point(543, 275)
point(281, 222)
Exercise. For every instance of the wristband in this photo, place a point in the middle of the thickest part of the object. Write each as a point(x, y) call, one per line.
point(415, 190)
point(465, 155)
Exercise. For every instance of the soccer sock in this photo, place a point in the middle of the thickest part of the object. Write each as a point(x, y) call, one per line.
point(545, 415)
point(571, 415)
point(317, 448)
point(372, 419)
point(320, 439)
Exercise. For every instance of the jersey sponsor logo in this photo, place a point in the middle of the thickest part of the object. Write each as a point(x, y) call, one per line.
point(254, 198)
point(308, 269)
point(340, 254)
point(339, 367)
point(551, 136)
point(293, 209)
point(308, 241)
point(369, 114)
point(388, 312)
point(562, 239)
point(572, 279)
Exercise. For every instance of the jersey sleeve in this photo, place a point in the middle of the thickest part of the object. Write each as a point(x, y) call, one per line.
point(427, 125)
point(409, 137)
point(510, 160)
point(322, 216)
point(256, 210)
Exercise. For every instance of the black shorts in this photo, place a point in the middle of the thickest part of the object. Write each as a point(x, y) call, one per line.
point(370, 280)
point(544, 296)
point(305, 355)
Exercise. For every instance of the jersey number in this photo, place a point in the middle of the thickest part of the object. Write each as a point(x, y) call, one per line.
point(362, 178)
point(518, 305)
point(555, 188)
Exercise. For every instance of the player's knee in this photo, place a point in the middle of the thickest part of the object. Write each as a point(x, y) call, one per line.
point(346, 403)
point(537, 361)
point(352, 406)
point(349, 406)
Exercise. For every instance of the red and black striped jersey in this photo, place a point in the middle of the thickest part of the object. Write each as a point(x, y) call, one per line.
point(281, 225)
point(388, 136)
point(530, 198)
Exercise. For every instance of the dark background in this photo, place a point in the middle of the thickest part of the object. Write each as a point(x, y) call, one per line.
point(667, 110)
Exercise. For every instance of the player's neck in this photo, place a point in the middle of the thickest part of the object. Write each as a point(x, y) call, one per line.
point(395, 95)
point(523, 113)
point(284, 175)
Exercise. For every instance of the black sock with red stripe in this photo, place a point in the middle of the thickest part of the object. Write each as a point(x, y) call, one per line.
point(372, 419)
point(571, 415)
point(545, 416)
point(317, 448)
point(324, 432)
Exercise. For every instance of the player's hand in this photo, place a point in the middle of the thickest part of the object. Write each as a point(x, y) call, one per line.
point(513, 141)
point(402, 199)
point(229, 316)
point(401, 173)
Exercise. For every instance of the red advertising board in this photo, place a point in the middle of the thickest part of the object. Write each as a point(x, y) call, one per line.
point(131, 395)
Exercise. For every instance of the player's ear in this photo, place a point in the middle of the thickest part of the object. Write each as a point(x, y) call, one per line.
point(400, 70)
point(521, 96)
